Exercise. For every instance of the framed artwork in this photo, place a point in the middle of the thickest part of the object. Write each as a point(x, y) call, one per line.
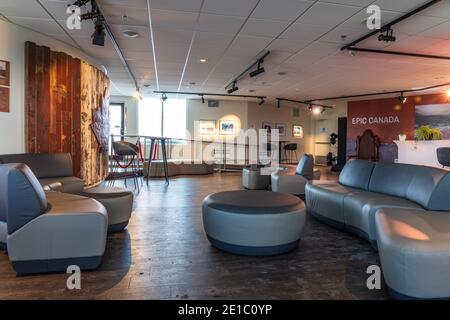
point(267, 127)
point(4, 86)
point(227, 127)
point(281, 129)
point(207, 127)
point(297, 131)
point(4, 73)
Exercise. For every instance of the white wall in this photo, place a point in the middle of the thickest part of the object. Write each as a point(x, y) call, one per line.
point(131, 113)
point(269, 113)
point(227, 110)
point(12, 48)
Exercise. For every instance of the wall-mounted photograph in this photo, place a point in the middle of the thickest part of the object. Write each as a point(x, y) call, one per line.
point(4, 99)
point(297, 131)
point(267, 127)
point(434, 116)
point(281, 129)
point(207, 127)
point(227, 127)
point(4, 73)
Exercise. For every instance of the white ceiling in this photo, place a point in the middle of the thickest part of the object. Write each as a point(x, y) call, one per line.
point(304, 37)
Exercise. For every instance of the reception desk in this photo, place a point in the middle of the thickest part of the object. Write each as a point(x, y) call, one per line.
point(420, 152)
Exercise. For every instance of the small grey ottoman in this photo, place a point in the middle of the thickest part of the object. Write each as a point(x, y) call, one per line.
point(255, 223)
point(252, 179)
point(118, 202)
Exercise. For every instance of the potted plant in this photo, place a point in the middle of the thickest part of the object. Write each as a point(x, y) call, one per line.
point(425, 132)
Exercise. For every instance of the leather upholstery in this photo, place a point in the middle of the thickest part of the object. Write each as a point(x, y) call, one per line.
point(68, 184)
point(306, 166)
point(23, 198)
point(392, 178)
point(43, 165)
point(252, 179)
point(356, 174)
point(440, 199)
point(415, 252)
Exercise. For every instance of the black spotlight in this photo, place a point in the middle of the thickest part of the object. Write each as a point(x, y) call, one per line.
point(402, 98)
point(262, 101)
point(203, 99)
point(98, 37)
point(279, 104)
point(310, 108)
point(163, 98)
point(233, 89)
point(257, 71)
point(88, 16)
point(80, 3)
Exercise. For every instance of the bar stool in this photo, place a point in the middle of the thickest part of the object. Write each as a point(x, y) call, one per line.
point(443, 155)
point(290, 152)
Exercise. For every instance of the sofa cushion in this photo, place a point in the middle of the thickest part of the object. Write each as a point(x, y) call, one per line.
point(68, 184)
point(424, 183)
point(360, 209)
point(43, 165)
point(306, 167)
point(326, 199)
point(440, 198)
point(392, 178)
point(25, 198)
point(414, 249)
point(356, 174)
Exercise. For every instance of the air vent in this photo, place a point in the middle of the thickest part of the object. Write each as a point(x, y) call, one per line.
point(213, 103)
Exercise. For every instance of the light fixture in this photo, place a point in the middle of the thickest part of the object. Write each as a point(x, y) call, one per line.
point(233, 89)
point(310, 107)
point(259, 70)
point(203, 60)
point(80, 3)
point(98, 37)
point(317, 110)
point(388, 37)
point(448, 93)
point(163, 98)
point(137, 95)
point(89, 16)
point(203, 99)
point(130, 33)
point(262, 101)
point(402, 98)
point(279, 104)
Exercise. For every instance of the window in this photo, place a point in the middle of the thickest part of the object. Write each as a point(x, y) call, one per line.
point(150, 114)
point(116, 119)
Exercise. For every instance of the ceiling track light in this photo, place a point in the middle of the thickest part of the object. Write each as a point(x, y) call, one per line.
point(262, 101)
point(163, 98)
point(279, 104)
point(233, 89)
point(388, 36)
point(89, 16)
point(203, 99)
point(402, 98)
point(259, 70)
point(98, 37)
point(79, 3)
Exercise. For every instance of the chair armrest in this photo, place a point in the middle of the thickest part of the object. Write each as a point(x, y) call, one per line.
point(293, 184)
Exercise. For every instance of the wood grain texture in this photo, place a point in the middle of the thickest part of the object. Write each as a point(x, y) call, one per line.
point(61, 93)
point(164, 254)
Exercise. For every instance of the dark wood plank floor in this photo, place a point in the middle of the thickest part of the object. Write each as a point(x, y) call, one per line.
point(164, 254)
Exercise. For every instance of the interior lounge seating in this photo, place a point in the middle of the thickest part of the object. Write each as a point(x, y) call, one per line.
point(397, 207)
point(284, 181)
point(49, 168)
point(443, 155)
point(49, 231)
point(253, 179)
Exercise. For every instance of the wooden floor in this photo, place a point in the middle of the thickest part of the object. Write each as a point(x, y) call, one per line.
point(164, 254)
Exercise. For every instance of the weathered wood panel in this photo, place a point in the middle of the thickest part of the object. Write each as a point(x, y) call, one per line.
point(61, 94)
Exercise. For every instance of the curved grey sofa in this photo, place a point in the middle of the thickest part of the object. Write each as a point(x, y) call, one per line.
point(47, 232)
point(367, 200)
point(49, 168)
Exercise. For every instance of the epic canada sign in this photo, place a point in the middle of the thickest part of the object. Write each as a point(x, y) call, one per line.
point(376, 120)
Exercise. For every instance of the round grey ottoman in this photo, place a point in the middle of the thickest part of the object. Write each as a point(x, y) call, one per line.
point(256, 223)
point(118, 202)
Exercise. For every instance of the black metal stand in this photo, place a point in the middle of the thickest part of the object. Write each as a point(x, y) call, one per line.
point(150, 158)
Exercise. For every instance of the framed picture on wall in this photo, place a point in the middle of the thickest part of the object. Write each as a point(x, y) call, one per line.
point(281, 129)
point(207, 127)
point(297, 131)
point(227, 127)
point(267, 127)
point(4, 73)
point(4, 99)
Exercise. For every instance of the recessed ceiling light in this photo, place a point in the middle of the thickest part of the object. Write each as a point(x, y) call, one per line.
point(130, 33)
point(147, 85)
point(282, 73)
point(203, 60)
point(251, 90)
point(192, 83)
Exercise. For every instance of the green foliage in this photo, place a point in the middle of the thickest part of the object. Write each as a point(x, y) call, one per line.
point(427, 133)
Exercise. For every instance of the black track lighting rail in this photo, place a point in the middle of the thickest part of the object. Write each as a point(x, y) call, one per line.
point(379, 93)
point(351, 46)
point(307, 103)
point(390, 24)
point(258, 62)
point(204, 94)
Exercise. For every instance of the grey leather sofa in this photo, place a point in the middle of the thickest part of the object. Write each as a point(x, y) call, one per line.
point(48, 231)
point(49, 168)
point(403, 210)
